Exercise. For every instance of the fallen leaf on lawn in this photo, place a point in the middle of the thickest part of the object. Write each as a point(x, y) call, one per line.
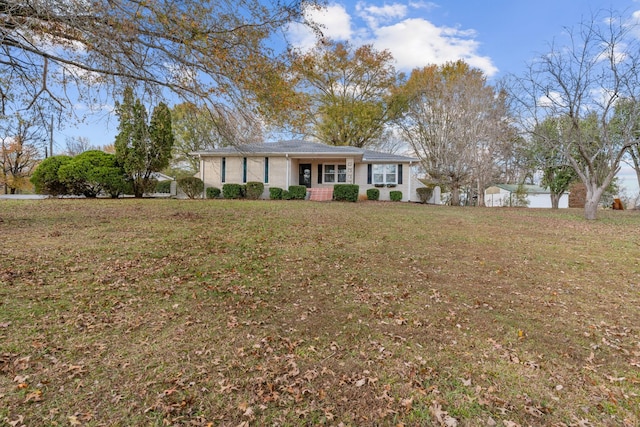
point(17, 421)
point(361, 382)
point(510, 424)
point(35, 395)
point(5, 324)
point(533, 411)
point(73, 420)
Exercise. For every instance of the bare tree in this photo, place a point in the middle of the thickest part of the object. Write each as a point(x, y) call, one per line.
point(581, 84)
point(78, 144)
point(19, 154)
point(452, 120)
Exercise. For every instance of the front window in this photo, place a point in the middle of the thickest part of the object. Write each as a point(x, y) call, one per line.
point(334, 173)
point(385, 174)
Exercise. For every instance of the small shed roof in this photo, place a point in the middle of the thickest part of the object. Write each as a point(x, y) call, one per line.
point(530, 189)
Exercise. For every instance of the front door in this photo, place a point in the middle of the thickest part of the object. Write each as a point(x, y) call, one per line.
point(304, 175)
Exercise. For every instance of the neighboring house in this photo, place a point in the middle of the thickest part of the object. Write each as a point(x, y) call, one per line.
point(316, 166)
point(506, 195)
point(162, 177)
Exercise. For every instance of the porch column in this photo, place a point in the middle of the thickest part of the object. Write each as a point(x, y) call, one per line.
point(350, 177)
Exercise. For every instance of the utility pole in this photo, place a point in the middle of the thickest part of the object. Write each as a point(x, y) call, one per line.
point(51, 137)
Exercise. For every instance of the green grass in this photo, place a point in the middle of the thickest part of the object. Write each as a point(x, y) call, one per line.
point(219, 312)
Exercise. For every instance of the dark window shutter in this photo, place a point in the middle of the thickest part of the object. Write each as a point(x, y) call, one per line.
point(399, 174)
point(319, 174)
point(369, 173)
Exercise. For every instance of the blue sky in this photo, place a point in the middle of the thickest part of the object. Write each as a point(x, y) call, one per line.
point(497, 36)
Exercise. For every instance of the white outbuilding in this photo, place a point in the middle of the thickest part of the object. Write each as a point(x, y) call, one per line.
point(513, 195)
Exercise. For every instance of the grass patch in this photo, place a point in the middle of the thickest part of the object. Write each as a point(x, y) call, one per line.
point(167, 312)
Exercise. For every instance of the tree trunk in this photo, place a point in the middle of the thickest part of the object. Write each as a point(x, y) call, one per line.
point(455, 195)
point(481, 201)
point(555, 200)
point(594, 193)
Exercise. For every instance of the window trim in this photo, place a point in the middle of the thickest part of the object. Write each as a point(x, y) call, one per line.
point(339, 169)
point(385, 173)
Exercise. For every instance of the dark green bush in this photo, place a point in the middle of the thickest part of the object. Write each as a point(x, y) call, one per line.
point(424, 193)
point(346, 192)
point(45, 178)
point(232, 191)
point(163, 187)
point(297, 192)
point(286, 195)
point(254, 190)
point(275, 193)
point(373, 194)
point(192, 186)
point(395, 196)
point(213, 192)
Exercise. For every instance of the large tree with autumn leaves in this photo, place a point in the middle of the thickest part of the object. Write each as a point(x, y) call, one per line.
point(344, 95)
point(210, 51)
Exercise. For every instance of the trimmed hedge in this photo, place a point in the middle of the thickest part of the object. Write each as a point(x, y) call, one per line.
point(192, 186)
point(297, 192)
point(346, 192)
point(213, 192)
point(424, 193)
point(275, 193)
point(254, 190)
point(395, 196)
point(232, 191)
point(373, 194)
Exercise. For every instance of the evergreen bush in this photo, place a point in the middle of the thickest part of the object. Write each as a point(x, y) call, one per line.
point(254, 190)
point(275, 193)
point(395, 196)
point(424, 193)
point(373, 194)
point(213, 192)
point(297, 192)
point(192, 186)
point(346, 192)
point(232, 191)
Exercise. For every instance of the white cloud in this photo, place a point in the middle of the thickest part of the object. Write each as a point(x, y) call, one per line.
point(334, 22)
point(417, 42)
point(374, 15)
point(413, 41)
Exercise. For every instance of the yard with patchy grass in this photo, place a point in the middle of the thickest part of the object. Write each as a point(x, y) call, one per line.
point(238, 313)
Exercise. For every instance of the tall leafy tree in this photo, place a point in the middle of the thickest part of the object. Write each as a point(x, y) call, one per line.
point(452, 119)
point(581, 83)
point(141, 148)
point(345, 94)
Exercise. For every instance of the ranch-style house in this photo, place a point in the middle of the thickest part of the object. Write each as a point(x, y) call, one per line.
point(316, 166)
